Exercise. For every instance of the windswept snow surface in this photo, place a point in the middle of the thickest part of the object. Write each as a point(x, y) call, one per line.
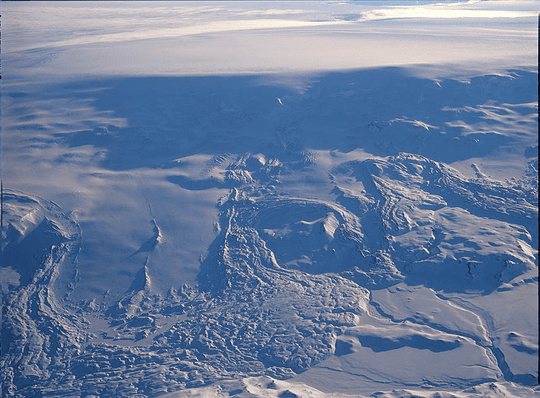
point(305, 199)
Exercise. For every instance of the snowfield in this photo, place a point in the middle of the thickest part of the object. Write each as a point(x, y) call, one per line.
point(287, 199)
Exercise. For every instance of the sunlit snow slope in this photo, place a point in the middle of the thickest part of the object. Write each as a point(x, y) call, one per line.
point(269, 199)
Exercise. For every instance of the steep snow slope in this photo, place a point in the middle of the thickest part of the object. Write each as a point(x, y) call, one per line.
point(316, 231)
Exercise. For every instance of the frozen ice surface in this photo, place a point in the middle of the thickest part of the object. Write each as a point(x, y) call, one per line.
point(305, 199)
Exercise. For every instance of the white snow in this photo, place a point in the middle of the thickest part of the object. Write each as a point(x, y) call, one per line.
point(287, 199)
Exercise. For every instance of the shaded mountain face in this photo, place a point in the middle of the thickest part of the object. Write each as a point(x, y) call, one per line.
point(350, 232)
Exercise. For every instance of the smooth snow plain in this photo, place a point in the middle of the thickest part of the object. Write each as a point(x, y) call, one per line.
point(286, 199)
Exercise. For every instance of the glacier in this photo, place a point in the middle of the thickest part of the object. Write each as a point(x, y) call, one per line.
point(285, 200)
